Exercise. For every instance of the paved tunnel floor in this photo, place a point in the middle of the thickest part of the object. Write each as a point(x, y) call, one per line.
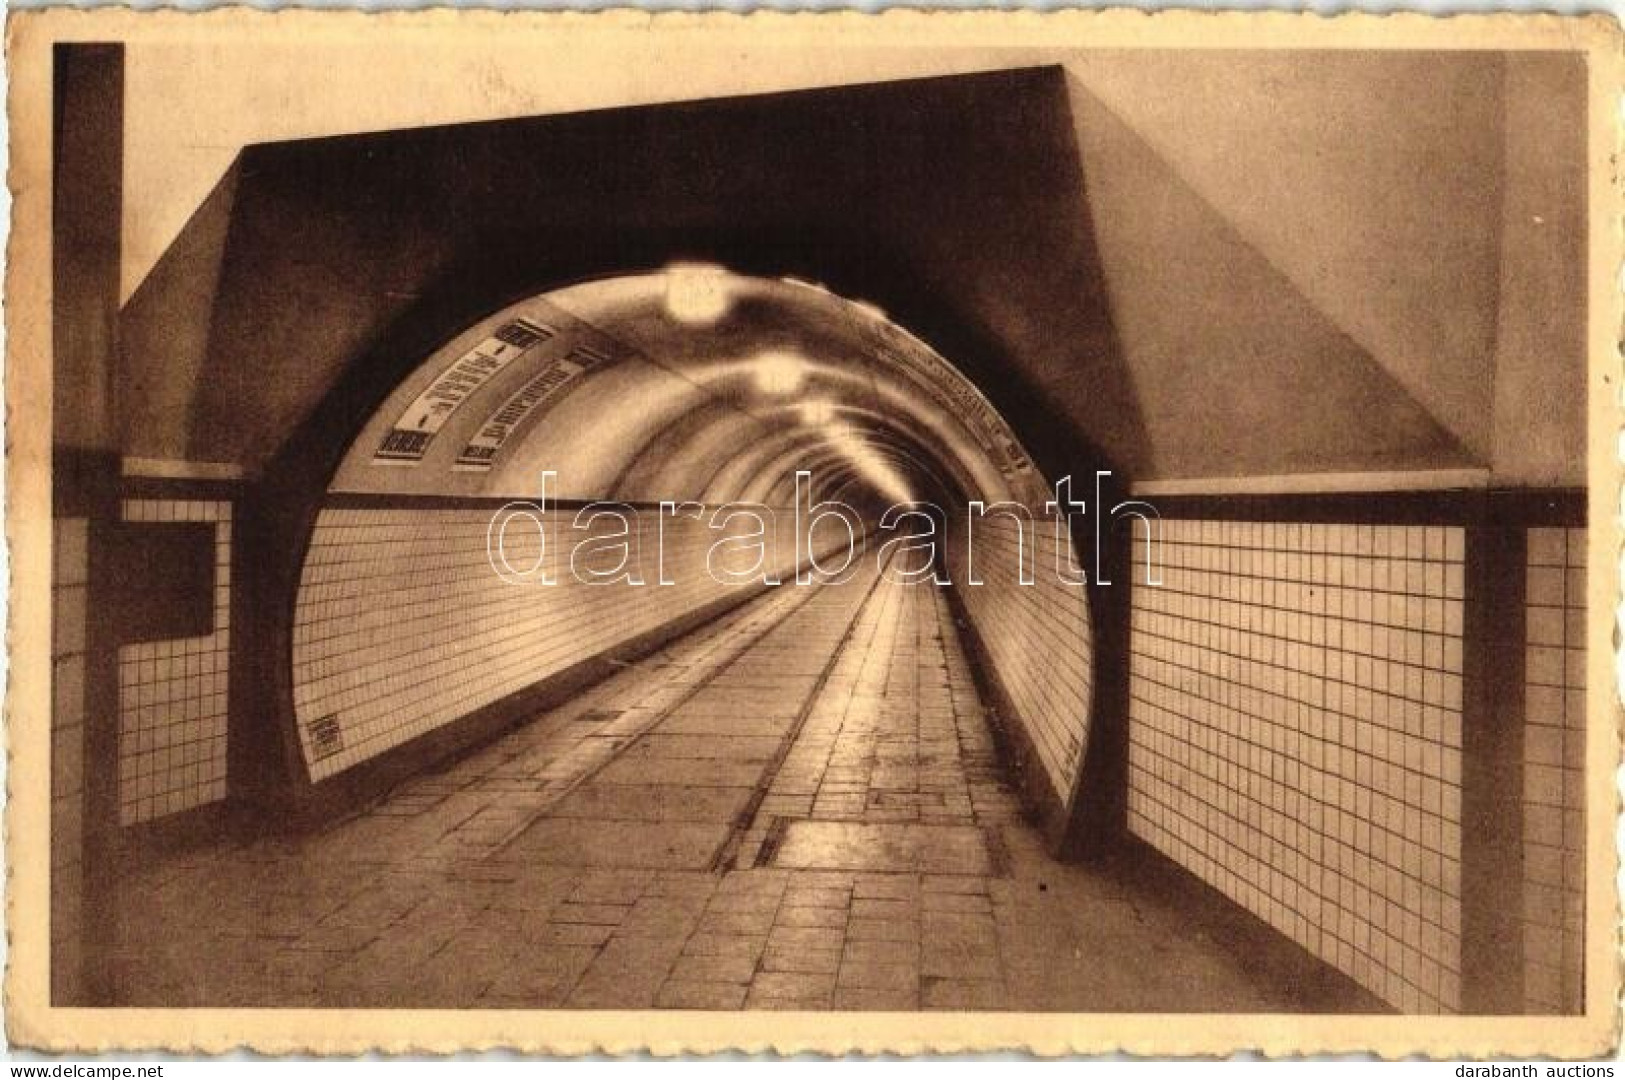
point(799, 806)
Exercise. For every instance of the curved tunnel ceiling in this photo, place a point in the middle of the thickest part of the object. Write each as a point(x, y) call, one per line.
point(690, 383)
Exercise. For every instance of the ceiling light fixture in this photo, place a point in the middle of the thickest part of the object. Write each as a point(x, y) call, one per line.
point(698, 294)
point(779, 373)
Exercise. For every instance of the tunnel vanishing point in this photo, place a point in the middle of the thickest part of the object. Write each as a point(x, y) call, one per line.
point(1289, 718)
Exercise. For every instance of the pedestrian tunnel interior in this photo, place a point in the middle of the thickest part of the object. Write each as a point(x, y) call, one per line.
point(414, 515)
point(627, 470)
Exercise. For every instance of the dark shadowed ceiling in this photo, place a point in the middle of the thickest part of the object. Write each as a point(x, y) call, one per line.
point(1178, 266)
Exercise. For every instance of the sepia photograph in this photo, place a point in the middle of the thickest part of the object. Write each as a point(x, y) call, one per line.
point(946, 532)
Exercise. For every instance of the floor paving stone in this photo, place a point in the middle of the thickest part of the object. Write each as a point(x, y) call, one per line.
point(605, 855)
point(714, 996)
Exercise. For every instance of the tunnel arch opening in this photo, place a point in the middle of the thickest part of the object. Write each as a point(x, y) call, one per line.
point(688, 384)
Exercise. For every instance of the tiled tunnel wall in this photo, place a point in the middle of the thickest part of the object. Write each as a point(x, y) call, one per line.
point(402, 625)
point(172, 693)
point(69, 583)
point(1036, 636)
point(1295, 739)
point(1553, 770)
point(1295, 736)
point(1295, 727)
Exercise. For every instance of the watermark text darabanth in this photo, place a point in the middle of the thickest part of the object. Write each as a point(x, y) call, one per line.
point(539, 542)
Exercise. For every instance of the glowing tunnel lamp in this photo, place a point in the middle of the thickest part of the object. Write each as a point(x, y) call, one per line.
point(870, 465)
point(779, 373)
point(697, 294)
point(816, 413)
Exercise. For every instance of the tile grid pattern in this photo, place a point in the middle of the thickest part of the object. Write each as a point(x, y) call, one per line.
point(70, 571)
point(1295, 736)
point(1554, 777)
point(402, 625)
point(172, 694)
point(1037, 635)
point(417, 902)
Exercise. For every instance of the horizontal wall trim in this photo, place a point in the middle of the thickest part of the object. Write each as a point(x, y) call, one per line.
point(172, 469)
point(1484, 506)
point(1319, 483)
point(168, 487)
point(377, 500)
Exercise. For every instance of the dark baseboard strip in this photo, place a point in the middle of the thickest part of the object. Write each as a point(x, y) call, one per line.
point(1045, 806)
point(1305, 983)
point(1465, 506)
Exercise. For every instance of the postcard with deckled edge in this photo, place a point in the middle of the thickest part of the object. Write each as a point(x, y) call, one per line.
point(1070, 532)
